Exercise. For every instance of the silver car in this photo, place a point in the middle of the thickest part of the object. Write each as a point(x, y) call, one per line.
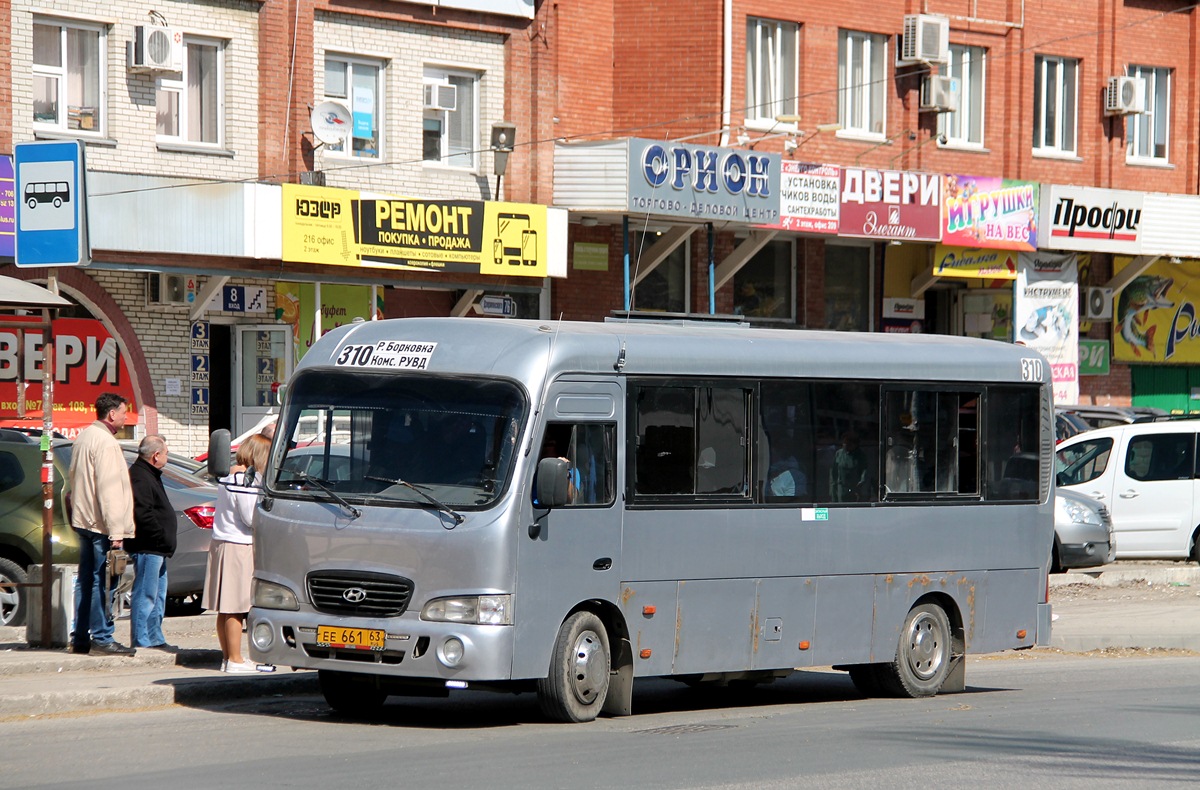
point(1082, 532)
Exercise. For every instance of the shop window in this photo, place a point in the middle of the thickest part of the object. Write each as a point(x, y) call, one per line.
point(772, 69)
point(663, 289)
point(987, 314)
point(862, 82)
point(69, 75)
point(358, 84)
point(765, 287)
point(964, 127)
point(1147, 134)
point(451, 121)
point(191, 107)
point(847, 288)
point(1055, 86)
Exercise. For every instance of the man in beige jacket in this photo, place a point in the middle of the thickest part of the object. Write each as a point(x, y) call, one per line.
point(102, 517)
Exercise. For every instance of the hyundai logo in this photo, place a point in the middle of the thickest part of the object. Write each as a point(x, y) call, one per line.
point(355, 594)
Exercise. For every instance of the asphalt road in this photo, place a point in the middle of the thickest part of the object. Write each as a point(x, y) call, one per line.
point(1027, 720)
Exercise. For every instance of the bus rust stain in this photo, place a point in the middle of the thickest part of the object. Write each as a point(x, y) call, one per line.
point(921, 579)
point(754, 631)
point(626, 594)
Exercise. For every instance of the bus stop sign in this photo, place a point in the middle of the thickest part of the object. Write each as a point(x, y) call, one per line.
point(51, 204)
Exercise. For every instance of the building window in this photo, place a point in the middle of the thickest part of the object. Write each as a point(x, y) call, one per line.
point(1055, 91)
point(69, 75)
point(451, 124)
point(772, 69)
point(664, 289)
point(191, 107)
point(847, 288)
point(862, 83)
point(765, 287)
point(965, 126)
point(357, 84)
point(1147, 133)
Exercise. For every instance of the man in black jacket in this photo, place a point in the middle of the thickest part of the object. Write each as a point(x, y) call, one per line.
point(152, 544)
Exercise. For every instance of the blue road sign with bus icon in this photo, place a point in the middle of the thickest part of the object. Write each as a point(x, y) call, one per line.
point(51, 226)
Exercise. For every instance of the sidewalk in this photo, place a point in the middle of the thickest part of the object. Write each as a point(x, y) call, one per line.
point(35, 682)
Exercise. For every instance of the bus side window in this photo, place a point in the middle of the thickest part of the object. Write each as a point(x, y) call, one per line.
point(589, 451)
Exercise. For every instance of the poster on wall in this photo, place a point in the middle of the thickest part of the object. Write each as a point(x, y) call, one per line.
point(996, 213)
point(87, 363)
point(1155, 315)
point(1046, 316)
point(295, 304)
point(808, 197)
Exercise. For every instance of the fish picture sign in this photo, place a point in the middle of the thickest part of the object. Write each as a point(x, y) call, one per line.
point(1156, 317)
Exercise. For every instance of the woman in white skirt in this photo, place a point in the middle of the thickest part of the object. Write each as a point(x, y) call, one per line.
point(231, 555)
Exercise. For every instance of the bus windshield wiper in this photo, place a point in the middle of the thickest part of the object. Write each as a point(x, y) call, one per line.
point(324, 486)
point(454, 514)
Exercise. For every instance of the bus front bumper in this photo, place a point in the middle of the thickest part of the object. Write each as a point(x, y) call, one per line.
point(411, 648)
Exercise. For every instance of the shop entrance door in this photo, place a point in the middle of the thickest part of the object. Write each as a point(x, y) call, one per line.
point(262, 363)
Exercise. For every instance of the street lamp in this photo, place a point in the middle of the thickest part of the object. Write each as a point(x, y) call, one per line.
point(504, 134)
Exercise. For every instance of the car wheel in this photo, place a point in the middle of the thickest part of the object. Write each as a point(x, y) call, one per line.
point(184, 605)
point(1196, 548)
point(13, 600)
point(923, 656)
point(351, 694)
point(575, 689)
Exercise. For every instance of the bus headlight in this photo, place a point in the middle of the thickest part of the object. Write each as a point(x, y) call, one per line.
point(473, 609)
point(269, 595)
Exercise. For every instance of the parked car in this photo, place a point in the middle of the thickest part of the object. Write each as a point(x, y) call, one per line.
point(1145, 474)
point(1104, 416)
point(21, 523)
point(1082, 532)
point(1068, 424)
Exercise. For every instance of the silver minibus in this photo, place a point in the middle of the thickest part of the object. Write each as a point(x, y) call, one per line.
point(565, 507)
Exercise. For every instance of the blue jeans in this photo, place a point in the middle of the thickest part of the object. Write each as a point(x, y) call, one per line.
point(148, 600)
point(93, 609)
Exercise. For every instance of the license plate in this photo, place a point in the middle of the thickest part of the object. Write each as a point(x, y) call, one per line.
point(349, 638)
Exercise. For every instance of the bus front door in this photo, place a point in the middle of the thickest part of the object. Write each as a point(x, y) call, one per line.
point(569, 555)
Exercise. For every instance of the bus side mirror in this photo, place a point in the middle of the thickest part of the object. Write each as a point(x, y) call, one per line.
point(218, 453)
point(552, 482)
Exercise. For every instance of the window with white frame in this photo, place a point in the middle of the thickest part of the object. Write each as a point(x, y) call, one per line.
point(1055, 104)
point(1148, 133)
point(964, 127)
point(862, 82)
point(191, 106)
point(69, 76)
point(772, 69)
point(357, 84)
point(450, 129)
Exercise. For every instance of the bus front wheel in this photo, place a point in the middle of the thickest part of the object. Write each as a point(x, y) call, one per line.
point(575, 689)
point(351, 694)
point(923, 656)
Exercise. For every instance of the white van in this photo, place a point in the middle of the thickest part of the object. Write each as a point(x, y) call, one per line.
point(1145, 473)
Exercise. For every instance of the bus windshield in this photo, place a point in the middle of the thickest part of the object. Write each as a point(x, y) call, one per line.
point(398, 439)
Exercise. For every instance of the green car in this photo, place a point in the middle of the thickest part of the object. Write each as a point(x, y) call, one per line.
point(21, 518)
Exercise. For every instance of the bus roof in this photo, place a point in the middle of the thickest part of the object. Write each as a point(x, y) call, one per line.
point(518, 349)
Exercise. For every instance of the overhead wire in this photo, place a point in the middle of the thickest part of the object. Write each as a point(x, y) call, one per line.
point(916, 71)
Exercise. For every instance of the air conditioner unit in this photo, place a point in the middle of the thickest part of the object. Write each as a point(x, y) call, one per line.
point(167, 289)
point(1125, 96)
point(441, 96)
point(926, 39)
point(940, 93)
point(156, 48)
point(1098, 304)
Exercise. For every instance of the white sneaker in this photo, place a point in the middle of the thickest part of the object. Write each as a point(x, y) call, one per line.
point(244, 668)
point(224, 663)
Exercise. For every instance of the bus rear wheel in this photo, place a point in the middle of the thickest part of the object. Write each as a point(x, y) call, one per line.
point(351, 694)
point(575, 689)
point(923, 656)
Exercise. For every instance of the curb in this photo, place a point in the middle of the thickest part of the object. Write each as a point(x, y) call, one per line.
point(1106, 577)
point(109, 693)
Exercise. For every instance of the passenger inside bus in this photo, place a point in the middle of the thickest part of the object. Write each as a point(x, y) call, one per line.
point(786, 480)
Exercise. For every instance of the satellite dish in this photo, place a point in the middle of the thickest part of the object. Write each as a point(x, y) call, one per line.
point(330, 121)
